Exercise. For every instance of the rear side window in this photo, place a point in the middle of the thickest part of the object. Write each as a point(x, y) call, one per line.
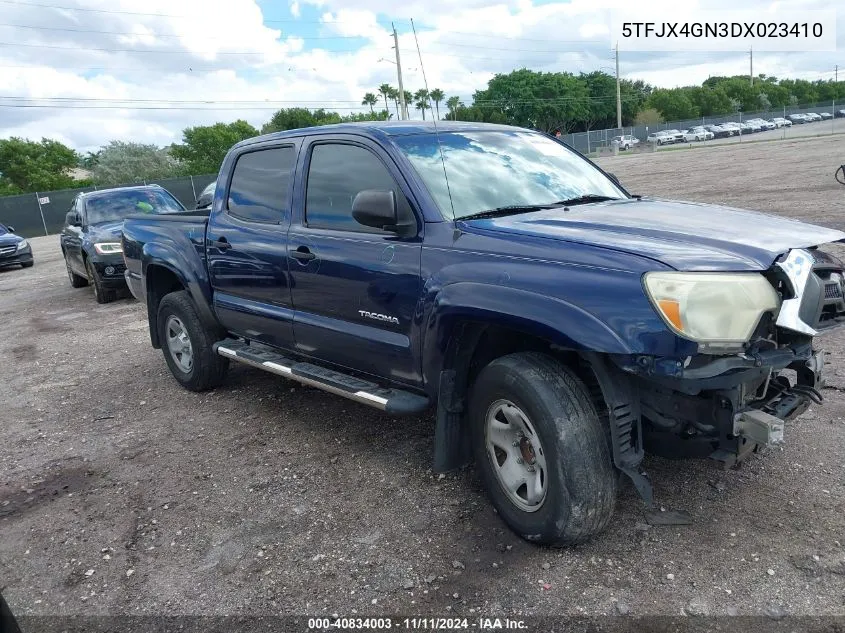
point(261, 184)
point(336, 174)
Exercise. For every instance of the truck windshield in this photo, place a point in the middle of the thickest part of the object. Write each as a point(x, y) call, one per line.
point(494, 169)
point(111, 206)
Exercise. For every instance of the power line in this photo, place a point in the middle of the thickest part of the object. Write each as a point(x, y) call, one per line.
point(308, 38)
point(154, 15)
point(156, 34)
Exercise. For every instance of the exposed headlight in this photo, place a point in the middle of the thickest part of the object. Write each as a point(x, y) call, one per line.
point(718, 310)
point(107, 248)
point(22, 245)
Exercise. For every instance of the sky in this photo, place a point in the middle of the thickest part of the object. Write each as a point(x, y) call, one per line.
point(85, 72)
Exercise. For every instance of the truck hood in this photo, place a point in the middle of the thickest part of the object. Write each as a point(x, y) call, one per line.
point(682, 235)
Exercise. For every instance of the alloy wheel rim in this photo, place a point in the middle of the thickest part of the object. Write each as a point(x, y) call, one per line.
point(179, 344)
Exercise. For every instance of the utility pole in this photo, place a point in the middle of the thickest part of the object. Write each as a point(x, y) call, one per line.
point(618, 92)
point(404, 107)
point(751, 68)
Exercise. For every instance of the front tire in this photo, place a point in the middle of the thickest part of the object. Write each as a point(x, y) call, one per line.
point(27, 265)
point(101, 293)
point(541, 450)
point(76, 281)
point(187, 344)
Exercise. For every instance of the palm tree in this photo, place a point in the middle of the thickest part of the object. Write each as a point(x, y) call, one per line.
point(370, 99)
point(393, 95)
point(384, 91)
point(437, 95)
point(409, 100)
point(453, 103)
point(421, 101)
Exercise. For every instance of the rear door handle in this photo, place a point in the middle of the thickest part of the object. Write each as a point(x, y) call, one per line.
point(222, 244)
point(303, 254)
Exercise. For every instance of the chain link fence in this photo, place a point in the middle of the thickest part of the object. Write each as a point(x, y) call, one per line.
point(43, 212)
point(596, 140)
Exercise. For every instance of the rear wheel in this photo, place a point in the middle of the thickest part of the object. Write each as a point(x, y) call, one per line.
point(27, 265)
point(541, 450)
point(101, 293)
point(187, 344)
point(76, 281)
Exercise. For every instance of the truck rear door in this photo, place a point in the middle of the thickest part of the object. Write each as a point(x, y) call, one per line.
point(355, 289)
point(246, 244)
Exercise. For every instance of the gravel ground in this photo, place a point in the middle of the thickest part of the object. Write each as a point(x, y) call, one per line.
point(124, 494)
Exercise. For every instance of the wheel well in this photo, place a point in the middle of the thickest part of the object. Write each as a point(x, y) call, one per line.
point(161, 281)
point(475, 345)
point(471, 347)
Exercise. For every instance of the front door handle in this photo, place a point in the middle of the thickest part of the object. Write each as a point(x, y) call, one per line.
point(303, 254)
point(222, 244)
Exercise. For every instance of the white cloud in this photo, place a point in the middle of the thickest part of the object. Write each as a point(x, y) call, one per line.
point(163, 53)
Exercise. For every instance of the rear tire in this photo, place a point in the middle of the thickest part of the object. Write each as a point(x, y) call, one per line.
point(101, 293)
point(27, 265)
point(76, 281)
point(570, 494)
point(187, 344)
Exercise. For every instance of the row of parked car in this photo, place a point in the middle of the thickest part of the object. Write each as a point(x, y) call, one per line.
point(725, 130)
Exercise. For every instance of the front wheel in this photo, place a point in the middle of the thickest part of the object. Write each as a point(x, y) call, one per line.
point(541, 449)
point(76, 281)
point(187, 344)
point(101, 293)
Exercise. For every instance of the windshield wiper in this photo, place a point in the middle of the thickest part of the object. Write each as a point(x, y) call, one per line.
point(585, 199)
point(512, 209)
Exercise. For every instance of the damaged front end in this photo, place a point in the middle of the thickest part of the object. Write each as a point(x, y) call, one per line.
point(731, 399)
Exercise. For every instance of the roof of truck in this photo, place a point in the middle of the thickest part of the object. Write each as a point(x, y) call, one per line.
point(389, 128)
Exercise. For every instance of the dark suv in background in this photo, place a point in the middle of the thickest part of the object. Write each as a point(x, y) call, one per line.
point(90, 239)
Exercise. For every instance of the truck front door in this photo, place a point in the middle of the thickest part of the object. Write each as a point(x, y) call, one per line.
point(246, 245)
point(355, 288)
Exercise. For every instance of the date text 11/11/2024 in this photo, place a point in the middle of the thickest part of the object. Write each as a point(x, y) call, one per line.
point(421, 624)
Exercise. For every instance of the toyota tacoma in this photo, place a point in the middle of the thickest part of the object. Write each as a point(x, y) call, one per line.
point(558, 326)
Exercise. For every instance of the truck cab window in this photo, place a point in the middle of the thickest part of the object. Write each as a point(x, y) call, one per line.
point(336, 174)
point(260, 185)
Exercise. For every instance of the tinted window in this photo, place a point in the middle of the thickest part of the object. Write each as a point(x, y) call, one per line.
point(260, 185)
point(112, 206)
point(336, 174)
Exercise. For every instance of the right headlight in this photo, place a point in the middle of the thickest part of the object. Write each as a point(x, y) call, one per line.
point(718, 310)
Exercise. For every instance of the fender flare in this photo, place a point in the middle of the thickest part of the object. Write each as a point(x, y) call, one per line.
point(191, 275)
point(558, 321)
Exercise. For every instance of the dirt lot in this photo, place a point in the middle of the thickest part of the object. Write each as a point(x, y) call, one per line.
point(122, 493)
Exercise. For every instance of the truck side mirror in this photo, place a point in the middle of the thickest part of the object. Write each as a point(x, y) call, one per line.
point(72, 219)
point(375, 208)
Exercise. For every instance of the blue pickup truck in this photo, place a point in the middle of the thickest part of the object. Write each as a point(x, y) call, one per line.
point(558, 326)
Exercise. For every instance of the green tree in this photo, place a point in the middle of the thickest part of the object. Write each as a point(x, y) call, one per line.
point(543, 101)
point(27, 166)
point(370, 99)
point(649, 116)
point(204, 146)
point(89, 160)
point(394, 96)
point(453, 103)
point(421, 101)
point(673, 105)
point(294, 118)
point(385, 91)
point(437, 95)
point(125, 163)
